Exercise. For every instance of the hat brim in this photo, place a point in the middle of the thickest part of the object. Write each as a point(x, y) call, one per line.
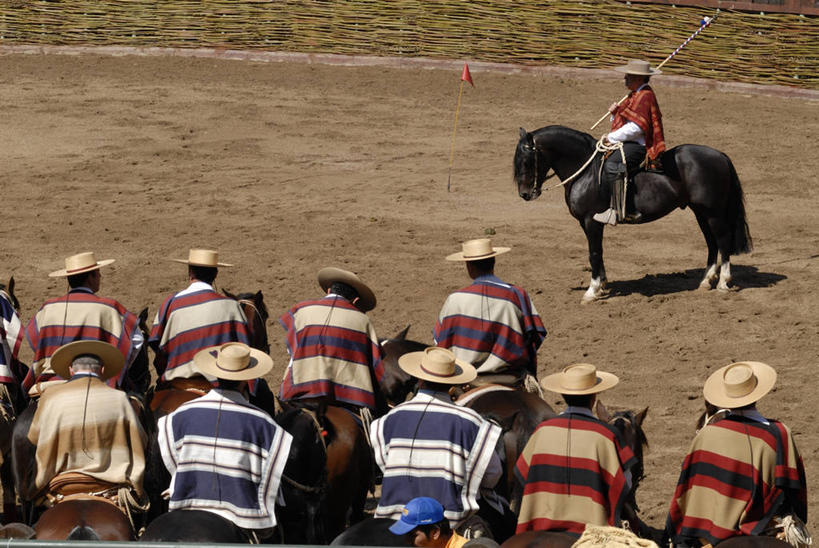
point(110, 356)
point(626, 70)
point(714, 388)
point(604, 382)
point(411, 363)
point(366, 297)
point(401, 527)
point(260, 365)
point(187, 262)
point(459, 256)
point(63, 273)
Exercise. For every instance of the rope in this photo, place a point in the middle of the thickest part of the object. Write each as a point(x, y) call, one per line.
point(127, 500)
point(600, 147)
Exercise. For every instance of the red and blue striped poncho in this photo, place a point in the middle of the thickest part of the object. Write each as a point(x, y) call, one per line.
point(573, 473)
point(334, 353)
point(190, 321)
point(492, 325)
point(80, 315)
point(11, 335)
point(738, 474)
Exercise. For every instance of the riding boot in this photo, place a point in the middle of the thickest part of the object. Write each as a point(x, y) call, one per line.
point(616, 210)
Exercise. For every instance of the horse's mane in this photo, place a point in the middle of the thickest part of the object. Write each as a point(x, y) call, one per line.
point(566, 133)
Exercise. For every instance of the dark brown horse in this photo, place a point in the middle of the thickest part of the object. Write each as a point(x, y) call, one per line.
point(694, 176)
point(397, 384)
point(193, 526)
point(84, 519)
point(255, 311)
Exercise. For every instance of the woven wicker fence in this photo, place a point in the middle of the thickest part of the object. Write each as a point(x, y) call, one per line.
point(746, 47)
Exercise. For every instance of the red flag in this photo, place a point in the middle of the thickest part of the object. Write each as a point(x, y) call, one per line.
point(465, 76)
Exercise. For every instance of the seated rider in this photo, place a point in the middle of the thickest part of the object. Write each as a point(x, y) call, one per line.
point(638, 124)
point(335, 357)
point(423, 524)
point(491, 324)
point(87, 436)
point(743, 474)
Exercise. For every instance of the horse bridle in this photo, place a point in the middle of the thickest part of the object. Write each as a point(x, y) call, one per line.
point(257, 313)
point(533, 148)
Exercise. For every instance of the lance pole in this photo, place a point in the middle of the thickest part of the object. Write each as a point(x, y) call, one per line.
point(705, 23)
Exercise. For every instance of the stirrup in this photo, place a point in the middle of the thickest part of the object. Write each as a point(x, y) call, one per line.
point(632, 218)
point(607, 217)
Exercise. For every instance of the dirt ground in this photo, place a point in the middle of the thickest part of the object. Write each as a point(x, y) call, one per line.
point(286, 168)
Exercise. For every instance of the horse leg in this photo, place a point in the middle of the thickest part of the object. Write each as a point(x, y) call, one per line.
point(722, 230)
point(594, 236)
point(711, 265)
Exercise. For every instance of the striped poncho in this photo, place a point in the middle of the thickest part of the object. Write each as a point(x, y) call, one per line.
point(80, 315)
point(641, 108)
point(573, 473)
point(738, 474)
point(225, 456)
point(434, 448)
point(492, 325)
point(334, 352)
point(11, 335)
point(192, 320)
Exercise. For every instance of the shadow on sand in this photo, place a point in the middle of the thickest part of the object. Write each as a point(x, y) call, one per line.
point(744, 277)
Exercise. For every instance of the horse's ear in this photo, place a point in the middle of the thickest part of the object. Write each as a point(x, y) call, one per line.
point(641, 416)
point(602, 413)
point(229, 294)
point(258, 297)
point(11, 286)
point(403, 335)
point(143, 315)
point(523, 133)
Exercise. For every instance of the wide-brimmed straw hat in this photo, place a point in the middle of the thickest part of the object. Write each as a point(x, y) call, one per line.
point(476, 250)
point(202, 257)
point(638, 67)
point(439, 365)
point(366, 298)
point(739, 384)
point(579, 379)
point(110, 356)
point(233, 361)
point(79, 263)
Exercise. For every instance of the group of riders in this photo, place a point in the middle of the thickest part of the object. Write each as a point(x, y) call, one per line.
point(742, 476)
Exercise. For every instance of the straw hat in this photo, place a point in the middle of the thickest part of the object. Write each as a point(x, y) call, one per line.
point(110, 356)
point(366, 297)
point(437, 364)
point(233, 361)
point(202, 257)
point(475, 250)
point(739, 384)
point(638, 67)
point(579, 379)
point(79, 263)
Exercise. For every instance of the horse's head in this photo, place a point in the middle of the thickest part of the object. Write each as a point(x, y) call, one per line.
point(397, 384)
point(530, 167)
point(630, 426)
point(9, 291)
point(255, 311)
point(304, 481)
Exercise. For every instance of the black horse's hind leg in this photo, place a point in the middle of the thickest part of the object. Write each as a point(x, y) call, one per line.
point(594, 236)
point(711, 241)
point(721, 229)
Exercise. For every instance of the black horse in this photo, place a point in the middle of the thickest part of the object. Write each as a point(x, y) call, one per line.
point(695, 176)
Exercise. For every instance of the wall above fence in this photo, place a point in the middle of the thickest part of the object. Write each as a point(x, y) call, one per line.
point(744, 47)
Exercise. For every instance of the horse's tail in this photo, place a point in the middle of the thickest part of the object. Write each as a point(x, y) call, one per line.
point(82, 532)
point(741, 237)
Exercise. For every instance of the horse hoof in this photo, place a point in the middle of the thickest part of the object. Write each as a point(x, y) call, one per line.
point(705, 285)
point(726, 289)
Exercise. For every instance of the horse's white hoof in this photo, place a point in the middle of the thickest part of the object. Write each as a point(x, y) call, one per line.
point(705, 285)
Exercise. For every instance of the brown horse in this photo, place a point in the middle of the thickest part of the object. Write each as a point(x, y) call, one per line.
point(397, 384)
point(84, 519)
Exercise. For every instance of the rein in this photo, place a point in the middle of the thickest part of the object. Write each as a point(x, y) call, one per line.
point(252, 305)
point(600, 147)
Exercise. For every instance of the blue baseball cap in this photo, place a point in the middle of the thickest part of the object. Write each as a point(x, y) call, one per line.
point(418, 511)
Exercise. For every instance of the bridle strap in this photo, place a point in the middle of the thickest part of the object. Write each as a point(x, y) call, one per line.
point(534, 149)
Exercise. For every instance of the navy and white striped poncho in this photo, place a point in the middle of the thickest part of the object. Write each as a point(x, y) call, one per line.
point(225, 456)
point(432, 448)
point(11, 335)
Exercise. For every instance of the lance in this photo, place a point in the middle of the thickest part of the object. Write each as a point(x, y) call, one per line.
point(704, 24)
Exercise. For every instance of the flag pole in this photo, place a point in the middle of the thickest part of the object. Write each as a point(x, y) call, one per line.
point(704, 24)
point(454, 129)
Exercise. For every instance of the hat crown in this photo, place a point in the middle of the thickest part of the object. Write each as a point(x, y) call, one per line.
point(80, 261)
point(233, 357)
point(422, 511)
point(638, 65)
point(739, 380)
point(203, 257)
point(579, 376)
point(439, 362)
point(475, 249)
